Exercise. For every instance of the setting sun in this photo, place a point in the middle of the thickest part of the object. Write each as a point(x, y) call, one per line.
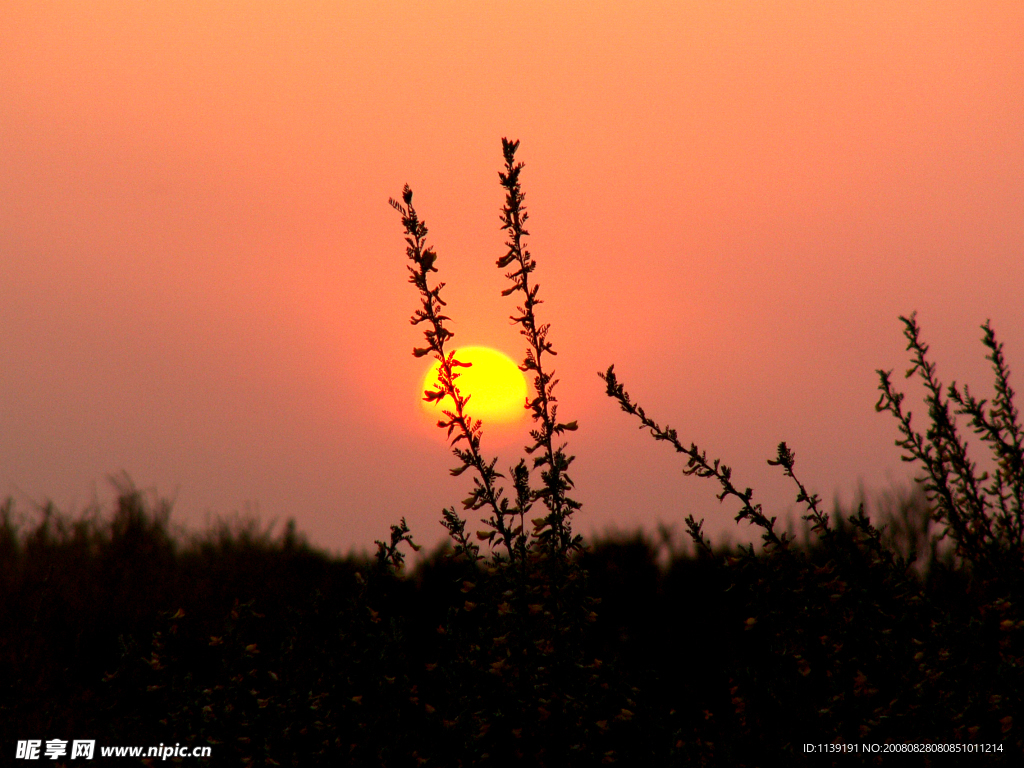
point(495, 385)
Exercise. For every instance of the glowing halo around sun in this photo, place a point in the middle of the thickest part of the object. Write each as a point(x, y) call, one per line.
point(495, 385)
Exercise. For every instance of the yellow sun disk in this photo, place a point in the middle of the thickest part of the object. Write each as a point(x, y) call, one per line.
point(495, 385)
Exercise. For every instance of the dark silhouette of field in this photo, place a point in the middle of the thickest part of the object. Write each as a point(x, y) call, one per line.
point(267, 649)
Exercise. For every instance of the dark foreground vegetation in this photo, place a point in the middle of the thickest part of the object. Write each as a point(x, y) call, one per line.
point(520, 644)
point(276, 654)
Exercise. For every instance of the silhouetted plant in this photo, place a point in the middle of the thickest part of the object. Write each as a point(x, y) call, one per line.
point(543, 405)
point(388, 553)
point(554, 530)
point(906, 658)
point(985, 521)
point(698, 464)
point(466, 429)
point(523, 621)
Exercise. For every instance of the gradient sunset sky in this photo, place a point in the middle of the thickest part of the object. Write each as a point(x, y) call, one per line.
point(202, 283)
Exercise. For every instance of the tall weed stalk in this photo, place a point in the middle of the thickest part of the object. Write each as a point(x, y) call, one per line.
point(515, 647)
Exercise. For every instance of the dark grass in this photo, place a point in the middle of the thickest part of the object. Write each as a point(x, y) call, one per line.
point(269, 650)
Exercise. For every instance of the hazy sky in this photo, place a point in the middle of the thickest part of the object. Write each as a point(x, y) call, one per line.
point(202, 283)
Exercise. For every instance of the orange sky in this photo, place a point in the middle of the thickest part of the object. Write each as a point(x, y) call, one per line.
point(202, 283)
